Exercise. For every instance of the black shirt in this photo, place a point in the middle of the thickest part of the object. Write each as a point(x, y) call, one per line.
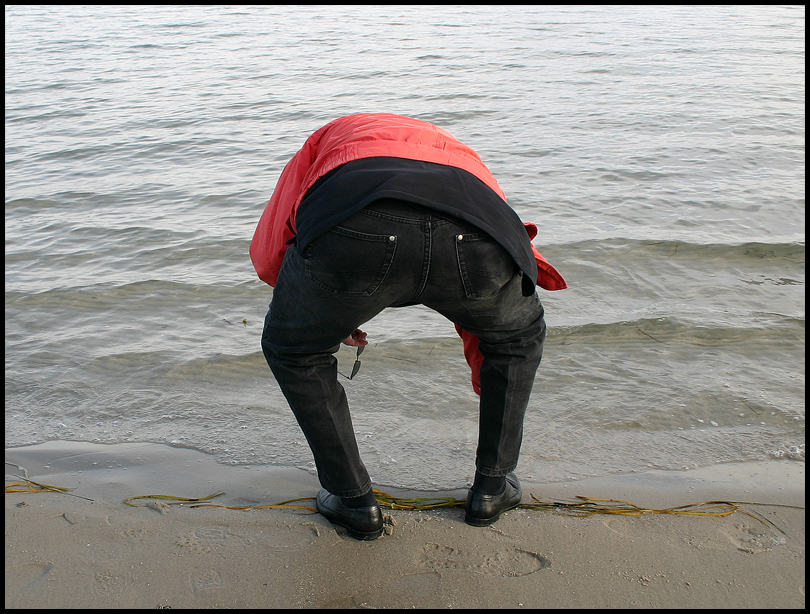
point(347, 189)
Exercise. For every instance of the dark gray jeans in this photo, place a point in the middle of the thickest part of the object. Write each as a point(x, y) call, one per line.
point(390, 254)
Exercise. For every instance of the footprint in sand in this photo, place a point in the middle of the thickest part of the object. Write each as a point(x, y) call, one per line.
point(109, 586)
point(753, 540)
point(134, 533)
point(207, 582)
point(207, 579)
point(204, 539)
point(507, 562)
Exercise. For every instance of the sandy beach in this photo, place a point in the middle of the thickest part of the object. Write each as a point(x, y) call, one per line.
point(88, 549)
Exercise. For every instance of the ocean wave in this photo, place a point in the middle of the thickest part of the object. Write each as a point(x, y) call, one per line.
point(668, 331)
point(792, 252)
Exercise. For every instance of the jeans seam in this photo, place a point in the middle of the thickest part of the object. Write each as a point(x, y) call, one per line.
point(427, 233)
point(391, 217)
point(437, 220)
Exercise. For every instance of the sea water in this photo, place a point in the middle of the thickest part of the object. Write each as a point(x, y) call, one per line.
point(659, 149)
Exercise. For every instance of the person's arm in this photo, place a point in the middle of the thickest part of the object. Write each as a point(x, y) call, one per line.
point(276, 229)
point(356, 339)
point(473, 356)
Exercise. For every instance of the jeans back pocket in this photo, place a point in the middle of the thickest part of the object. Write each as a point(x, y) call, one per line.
point(345, 261)
point(485, 266)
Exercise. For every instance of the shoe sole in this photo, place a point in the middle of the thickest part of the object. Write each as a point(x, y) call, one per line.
point(366, 536)
point(485, 522)
point(362, 536)
point(480, 522)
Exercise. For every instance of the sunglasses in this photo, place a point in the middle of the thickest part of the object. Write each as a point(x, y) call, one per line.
point(356, 366)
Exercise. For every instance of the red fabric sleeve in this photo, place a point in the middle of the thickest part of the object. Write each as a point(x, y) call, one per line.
point(473, 356)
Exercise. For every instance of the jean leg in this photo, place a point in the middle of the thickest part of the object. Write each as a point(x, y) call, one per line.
point(319, 403)
point(511, 331)
point(507, 378)
point(303, 329)
point(342, 280)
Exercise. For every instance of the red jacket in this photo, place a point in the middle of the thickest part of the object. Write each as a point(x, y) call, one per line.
point(367, 135)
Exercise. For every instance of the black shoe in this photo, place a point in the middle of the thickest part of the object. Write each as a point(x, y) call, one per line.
point(483, 510)
point(364, 523)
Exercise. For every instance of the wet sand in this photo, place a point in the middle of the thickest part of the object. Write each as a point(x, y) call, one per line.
point(63, 551)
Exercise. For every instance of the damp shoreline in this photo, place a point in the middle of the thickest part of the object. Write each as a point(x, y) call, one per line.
point(87, 548)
